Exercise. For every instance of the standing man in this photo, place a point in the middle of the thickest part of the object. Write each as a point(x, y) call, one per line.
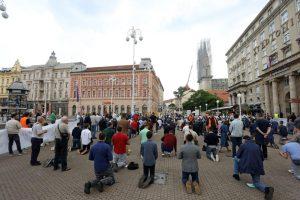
point(25, 120)
point(13, 127)
point(62, 135)
point(249, 160)
point(236, 130)
point(37, 140)
point(190, 154)
point(101, 155)
point(143, 133)
point(109, 132)
point(94, 125)
point(263, 129)
point(124, 124)
point(119, 140)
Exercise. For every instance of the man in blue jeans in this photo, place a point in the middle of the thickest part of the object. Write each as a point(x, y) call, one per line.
point(249, 160)
point(236, 133)
point(190, 154)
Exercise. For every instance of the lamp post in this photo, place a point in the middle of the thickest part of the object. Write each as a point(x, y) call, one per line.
point(3, 9)
point(200, 108)
point(218, 105)
point(206, 106)
point(149, 68)
point(239, 95)
point(133, 34)
point(112, 79)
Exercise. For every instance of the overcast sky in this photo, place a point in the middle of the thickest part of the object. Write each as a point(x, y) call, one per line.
point(94, 32)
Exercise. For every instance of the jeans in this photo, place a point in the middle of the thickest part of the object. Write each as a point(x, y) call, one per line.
point(61, 153)
point(264, 149)
point(235, 165)
point(256, 182)
point(150, 169)
point(210, 150)
point(185, 177)
point(106, 178)
point(271, 138)
point(94, 130)
point(120, 159)
point(296, 169)
point(166, 149)
point(11, 139)
point(35, 149)
point(76, 144)
point(236, 141)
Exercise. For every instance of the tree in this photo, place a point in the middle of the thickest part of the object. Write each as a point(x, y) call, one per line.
point(179, 94)
point(200, 98)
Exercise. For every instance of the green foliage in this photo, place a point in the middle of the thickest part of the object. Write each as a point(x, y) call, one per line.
point(200, 98)
point(179, 92)
point(172, 106)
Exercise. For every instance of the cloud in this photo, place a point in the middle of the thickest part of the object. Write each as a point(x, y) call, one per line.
point(94, 32)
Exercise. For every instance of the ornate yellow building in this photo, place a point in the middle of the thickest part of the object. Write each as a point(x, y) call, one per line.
point(7, 77)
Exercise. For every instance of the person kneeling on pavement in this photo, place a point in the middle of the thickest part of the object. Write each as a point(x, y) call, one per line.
point(169, 142)
point(149, 155)
point(249, 160)
point(189, 153)
point(102, 156)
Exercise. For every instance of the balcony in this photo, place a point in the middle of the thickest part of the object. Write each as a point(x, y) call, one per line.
point(237, 85)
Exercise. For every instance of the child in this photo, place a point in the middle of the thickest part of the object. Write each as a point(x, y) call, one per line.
point(86, 137)
point(283, 132)
point(76, 133)
point(149, 154)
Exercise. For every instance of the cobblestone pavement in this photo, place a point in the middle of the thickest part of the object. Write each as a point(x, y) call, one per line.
point(18, 180)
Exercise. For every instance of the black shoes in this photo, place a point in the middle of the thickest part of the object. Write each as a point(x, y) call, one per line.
point(37, 163)
point(145, 182)
point(269, 193)
point(87, 188)
point(236, 176)
point(141, 181)
point(99, 187)
point(67, 169)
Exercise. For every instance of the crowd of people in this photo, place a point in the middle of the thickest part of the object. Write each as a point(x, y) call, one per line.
point(109, 153)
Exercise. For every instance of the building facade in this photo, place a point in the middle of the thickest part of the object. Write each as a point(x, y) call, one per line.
point(219, 84)
point(264, 63)
point(48, 84)
point(7, 77)
point(109, 89)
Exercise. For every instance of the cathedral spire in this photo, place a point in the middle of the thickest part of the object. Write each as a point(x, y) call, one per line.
point(52, 60)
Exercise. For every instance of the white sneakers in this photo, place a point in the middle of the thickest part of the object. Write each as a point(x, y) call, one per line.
point(215, 159)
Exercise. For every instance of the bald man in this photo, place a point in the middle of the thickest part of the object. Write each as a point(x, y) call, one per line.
point(62, 135)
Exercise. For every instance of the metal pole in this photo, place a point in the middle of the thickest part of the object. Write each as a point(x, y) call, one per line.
point(240, 106)
point(45, 109)
point(133, 69)
point(149, 88)
point(112, 94)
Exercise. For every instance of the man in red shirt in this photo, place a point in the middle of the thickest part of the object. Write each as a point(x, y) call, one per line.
point(169, 142)
point(119, 141)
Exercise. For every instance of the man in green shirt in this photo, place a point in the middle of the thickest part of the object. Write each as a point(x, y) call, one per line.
point(143, 133)
point(109, 132)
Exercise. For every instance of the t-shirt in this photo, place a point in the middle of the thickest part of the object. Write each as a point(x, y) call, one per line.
point(108, 132)
point(170, 141)
point(119, 141)
point(293, 149)
point(143, 135)
point(101, 155)
point(86, 137)
point(37, 129)
point(134, 125)
point(76, 133)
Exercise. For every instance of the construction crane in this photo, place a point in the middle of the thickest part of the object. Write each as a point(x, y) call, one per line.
point(187, 83)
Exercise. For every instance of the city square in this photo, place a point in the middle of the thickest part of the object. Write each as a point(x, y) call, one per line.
point(175, 99)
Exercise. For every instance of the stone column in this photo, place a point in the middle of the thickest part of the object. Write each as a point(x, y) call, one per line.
point(267, 98)
point(293, 93)
point(275, 97)
point(102, 110)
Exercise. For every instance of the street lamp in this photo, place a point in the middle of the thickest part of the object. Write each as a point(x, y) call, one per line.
point(149, 68)
point(200, 108)
point(3, 9)
point(218, 105)
point(133, 34)
point(112, 79)
point(239, 95)
point(206, 106)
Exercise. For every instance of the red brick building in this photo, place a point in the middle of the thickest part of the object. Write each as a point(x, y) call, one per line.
point(92, 90)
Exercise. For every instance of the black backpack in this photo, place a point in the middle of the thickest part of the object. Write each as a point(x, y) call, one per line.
point(132, 166)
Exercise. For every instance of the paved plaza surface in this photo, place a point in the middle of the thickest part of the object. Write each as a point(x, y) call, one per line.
point(18, 180)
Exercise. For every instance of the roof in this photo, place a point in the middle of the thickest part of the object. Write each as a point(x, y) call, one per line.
point(169, 100)
point(222, 94)
point(59, 65)
point(111, 68)
point(17, 85)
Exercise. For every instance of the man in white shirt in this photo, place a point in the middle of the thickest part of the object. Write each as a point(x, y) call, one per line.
point(85, 140)
point(236, 133)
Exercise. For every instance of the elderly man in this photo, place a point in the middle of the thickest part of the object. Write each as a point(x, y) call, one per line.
point(13, 127)
point(37, 140)
point(62, 135)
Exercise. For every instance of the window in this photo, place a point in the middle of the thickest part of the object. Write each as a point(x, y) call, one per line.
point(129, 81)
point(261, 20)
point(100, 82)
point(100, 93)
point(273, 45)
point(270, 11)
point(273, 59)
point(257, 90)
point(272, 27)
point(286, 81)
point(254, 43)
point(89, 94)
point(145, 80)
point(286, 38)
point(284, 17)
point(298, 5)
point(262, 36)
point(83, 94)
point(94, 94)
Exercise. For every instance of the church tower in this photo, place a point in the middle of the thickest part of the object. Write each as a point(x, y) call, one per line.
point(204, 65)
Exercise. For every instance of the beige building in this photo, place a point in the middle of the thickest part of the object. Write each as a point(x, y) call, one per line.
point(264, 62)
point(109, 89)
point(7, 77)
point(49, 84)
